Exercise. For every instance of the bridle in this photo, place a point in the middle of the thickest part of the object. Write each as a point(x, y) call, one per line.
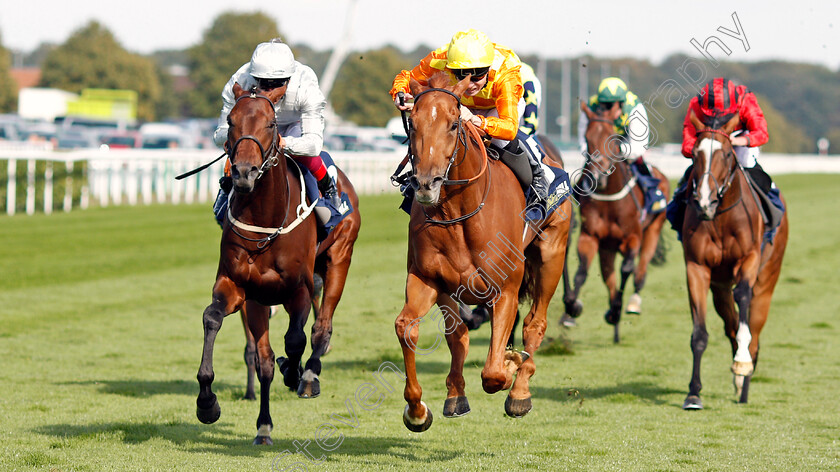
point(629, 183)
point(270, 156)
point(460, 143)
point(730, 176)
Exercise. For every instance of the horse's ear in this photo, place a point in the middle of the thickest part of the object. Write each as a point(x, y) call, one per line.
point(238, 91)
point(461, 87)
point(585, 109)
point(416, 87)
point(732, 124)
point(275, 94)
point(692, 118)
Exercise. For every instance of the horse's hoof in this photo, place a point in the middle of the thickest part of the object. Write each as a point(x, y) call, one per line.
point(634, 305)
point(249, 396)
point(310, 386)
point(418, 425)
point(517, 408)
point(738, 383)
point(567, 321)
point(210, 414)
point(574, 309)
point(742, 368)
point(455, 407)
point(693, 402)
point(610, 317)
point(263, 441)
point(291, 378)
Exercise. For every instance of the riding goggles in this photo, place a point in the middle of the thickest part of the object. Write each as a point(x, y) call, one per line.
point(477, 74)
point(271, 84)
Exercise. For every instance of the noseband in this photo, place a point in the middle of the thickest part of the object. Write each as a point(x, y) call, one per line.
point(270, 156)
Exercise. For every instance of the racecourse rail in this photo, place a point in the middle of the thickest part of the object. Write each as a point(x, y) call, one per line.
point(133, 176)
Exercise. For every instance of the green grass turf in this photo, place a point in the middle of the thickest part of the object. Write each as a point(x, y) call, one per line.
point(101, 333)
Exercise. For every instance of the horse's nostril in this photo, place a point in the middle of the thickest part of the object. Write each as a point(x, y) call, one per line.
point(415, 184)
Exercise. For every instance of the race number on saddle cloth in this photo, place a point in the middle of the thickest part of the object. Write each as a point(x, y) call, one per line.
point(326, 213)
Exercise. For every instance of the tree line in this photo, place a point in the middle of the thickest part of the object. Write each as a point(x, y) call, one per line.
point(801, 101)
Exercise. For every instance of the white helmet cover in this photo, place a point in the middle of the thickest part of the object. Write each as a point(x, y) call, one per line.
point(272, 60)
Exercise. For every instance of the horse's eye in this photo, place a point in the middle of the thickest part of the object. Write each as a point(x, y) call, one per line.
point(454, 126)
point(229, 122)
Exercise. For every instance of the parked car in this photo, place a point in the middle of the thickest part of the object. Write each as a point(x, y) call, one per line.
point(124, 140)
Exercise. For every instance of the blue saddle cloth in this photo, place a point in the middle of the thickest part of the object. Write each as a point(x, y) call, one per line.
point(559, 188)
point(654, 199)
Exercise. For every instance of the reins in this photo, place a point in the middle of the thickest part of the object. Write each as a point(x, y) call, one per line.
point(460, 144)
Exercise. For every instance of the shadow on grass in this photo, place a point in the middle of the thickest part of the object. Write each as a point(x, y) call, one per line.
point(622, 393)
point(148, 388)
point(396, 447)
point(192, 437)
point(372, 365)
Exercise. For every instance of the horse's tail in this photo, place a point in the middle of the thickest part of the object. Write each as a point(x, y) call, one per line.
point(528, 289)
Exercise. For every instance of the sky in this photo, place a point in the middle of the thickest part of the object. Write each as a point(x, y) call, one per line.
point(801, 31)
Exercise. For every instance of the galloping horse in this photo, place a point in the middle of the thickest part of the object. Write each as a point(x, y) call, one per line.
point(468, 243)
point(258, 270)
point(722, 243)
point(612, 221)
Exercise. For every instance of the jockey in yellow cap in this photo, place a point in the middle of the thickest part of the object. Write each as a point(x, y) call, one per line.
point(492, 102)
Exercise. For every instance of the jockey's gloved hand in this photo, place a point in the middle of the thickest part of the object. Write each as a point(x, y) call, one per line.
point(402, 101)
point(466, 114)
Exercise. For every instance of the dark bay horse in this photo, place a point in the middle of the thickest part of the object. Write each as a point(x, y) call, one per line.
point(468, 244)
point(267, 257)
point(722, 244)
point(612, 222)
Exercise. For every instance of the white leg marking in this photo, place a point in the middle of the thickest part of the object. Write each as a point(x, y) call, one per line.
point(309, 376)
point(417, 420)
point(743, 338)
point(264, 430)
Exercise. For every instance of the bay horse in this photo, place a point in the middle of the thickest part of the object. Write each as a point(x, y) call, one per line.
point(722, 245)
point(612, 222)
point(267, 257)
point(467, 243)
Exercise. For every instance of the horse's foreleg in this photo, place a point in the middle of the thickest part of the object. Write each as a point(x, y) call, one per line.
point(650, 239)
point(419, 297)
point(699, 278)
point(227, 298)
point(458, 340)
point(606, 258)
point(258, 325)
point(295, 339)
point(495, 376)
point(746, 276)
point(250, 358)
point(587, 248)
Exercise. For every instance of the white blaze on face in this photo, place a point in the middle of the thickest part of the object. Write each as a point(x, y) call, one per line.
point(743, 338)
point(434, 113)
point(708, 147)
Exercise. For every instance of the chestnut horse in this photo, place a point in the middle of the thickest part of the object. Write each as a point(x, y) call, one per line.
point(267, 257)
point(467, 243)
point(722, 243)
point(611, 220)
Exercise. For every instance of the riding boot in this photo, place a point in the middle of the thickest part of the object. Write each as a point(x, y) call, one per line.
point(328, 189)
point(760, 177)
point(220, 206)
point(675, 211)
point(539, 185)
